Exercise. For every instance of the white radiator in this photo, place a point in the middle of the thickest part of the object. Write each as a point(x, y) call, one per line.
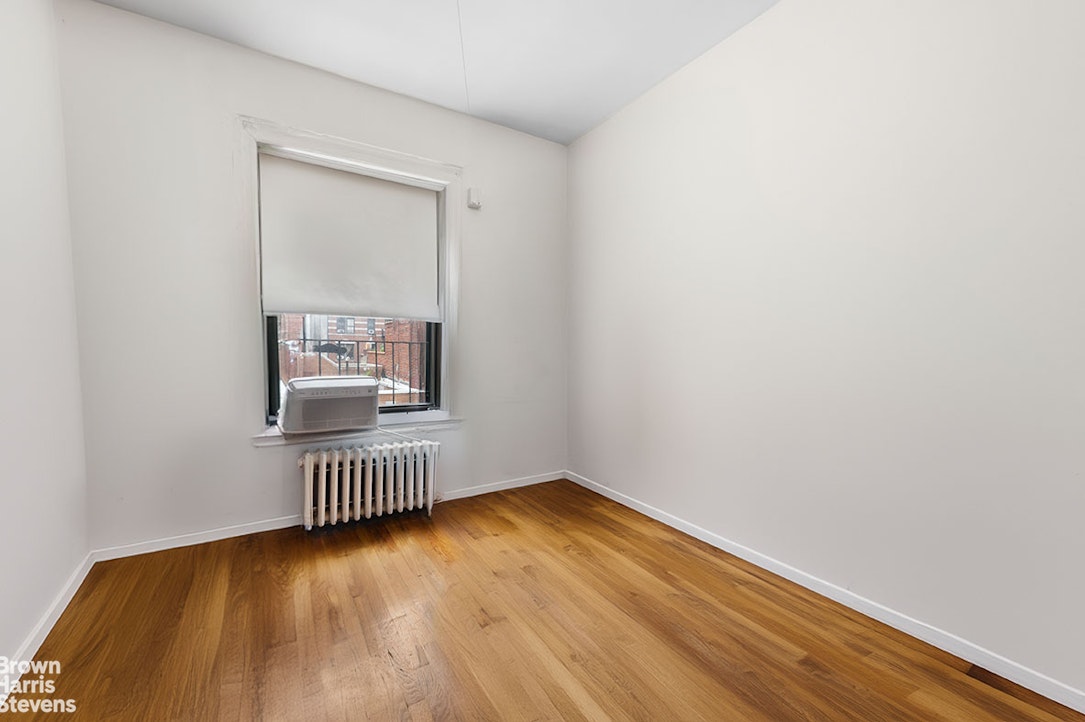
point(367, 481)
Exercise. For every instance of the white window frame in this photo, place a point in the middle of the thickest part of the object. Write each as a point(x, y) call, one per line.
point(262, 136)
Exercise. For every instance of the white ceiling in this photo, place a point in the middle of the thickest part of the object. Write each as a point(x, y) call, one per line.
point(552, 68)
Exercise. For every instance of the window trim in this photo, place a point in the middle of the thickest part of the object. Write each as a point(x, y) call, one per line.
point(262, 136)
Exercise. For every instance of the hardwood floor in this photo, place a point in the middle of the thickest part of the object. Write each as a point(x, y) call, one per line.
point(547, 602)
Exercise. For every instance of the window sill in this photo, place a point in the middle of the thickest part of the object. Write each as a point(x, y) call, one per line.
point(271, 436)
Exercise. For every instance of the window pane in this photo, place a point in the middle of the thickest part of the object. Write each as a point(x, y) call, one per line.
point(394, 351)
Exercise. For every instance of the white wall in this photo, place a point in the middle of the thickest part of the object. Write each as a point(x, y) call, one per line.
point(43, 534)
point(860, 226)
point(164, 238)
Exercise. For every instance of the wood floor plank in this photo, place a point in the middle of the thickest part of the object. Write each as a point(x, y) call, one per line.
point(542, 603)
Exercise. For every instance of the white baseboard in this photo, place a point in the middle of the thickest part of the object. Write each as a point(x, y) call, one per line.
point(1037, 682)
point(500, 485)
point(226, 532)
point(199, 537)
point(45, 625)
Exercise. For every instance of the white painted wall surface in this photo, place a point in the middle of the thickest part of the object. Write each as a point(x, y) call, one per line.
point(164, 245)
point(861, 226)
point(43, 535)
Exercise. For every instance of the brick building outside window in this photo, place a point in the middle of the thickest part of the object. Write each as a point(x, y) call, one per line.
point(393, 351)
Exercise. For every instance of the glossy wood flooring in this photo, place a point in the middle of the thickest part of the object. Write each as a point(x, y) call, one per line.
point(547, 602)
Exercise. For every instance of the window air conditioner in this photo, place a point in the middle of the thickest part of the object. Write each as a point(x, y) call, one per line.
point(328, 403)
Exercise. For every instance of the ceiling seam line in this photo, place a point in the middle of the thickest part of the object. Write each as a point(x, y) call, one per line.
point(463, 58)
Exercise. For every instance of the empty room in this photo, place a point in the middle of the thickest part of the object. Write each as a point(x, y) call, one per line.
point(459, 359)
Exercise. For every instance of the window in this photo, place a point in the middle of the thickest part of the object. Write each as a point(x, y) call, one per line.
point(315, 327)
point(404, 360)
point(355, 245)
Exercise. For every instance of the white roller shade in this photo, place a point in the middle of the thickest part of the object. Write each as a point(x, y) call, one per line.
point(346, 244)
